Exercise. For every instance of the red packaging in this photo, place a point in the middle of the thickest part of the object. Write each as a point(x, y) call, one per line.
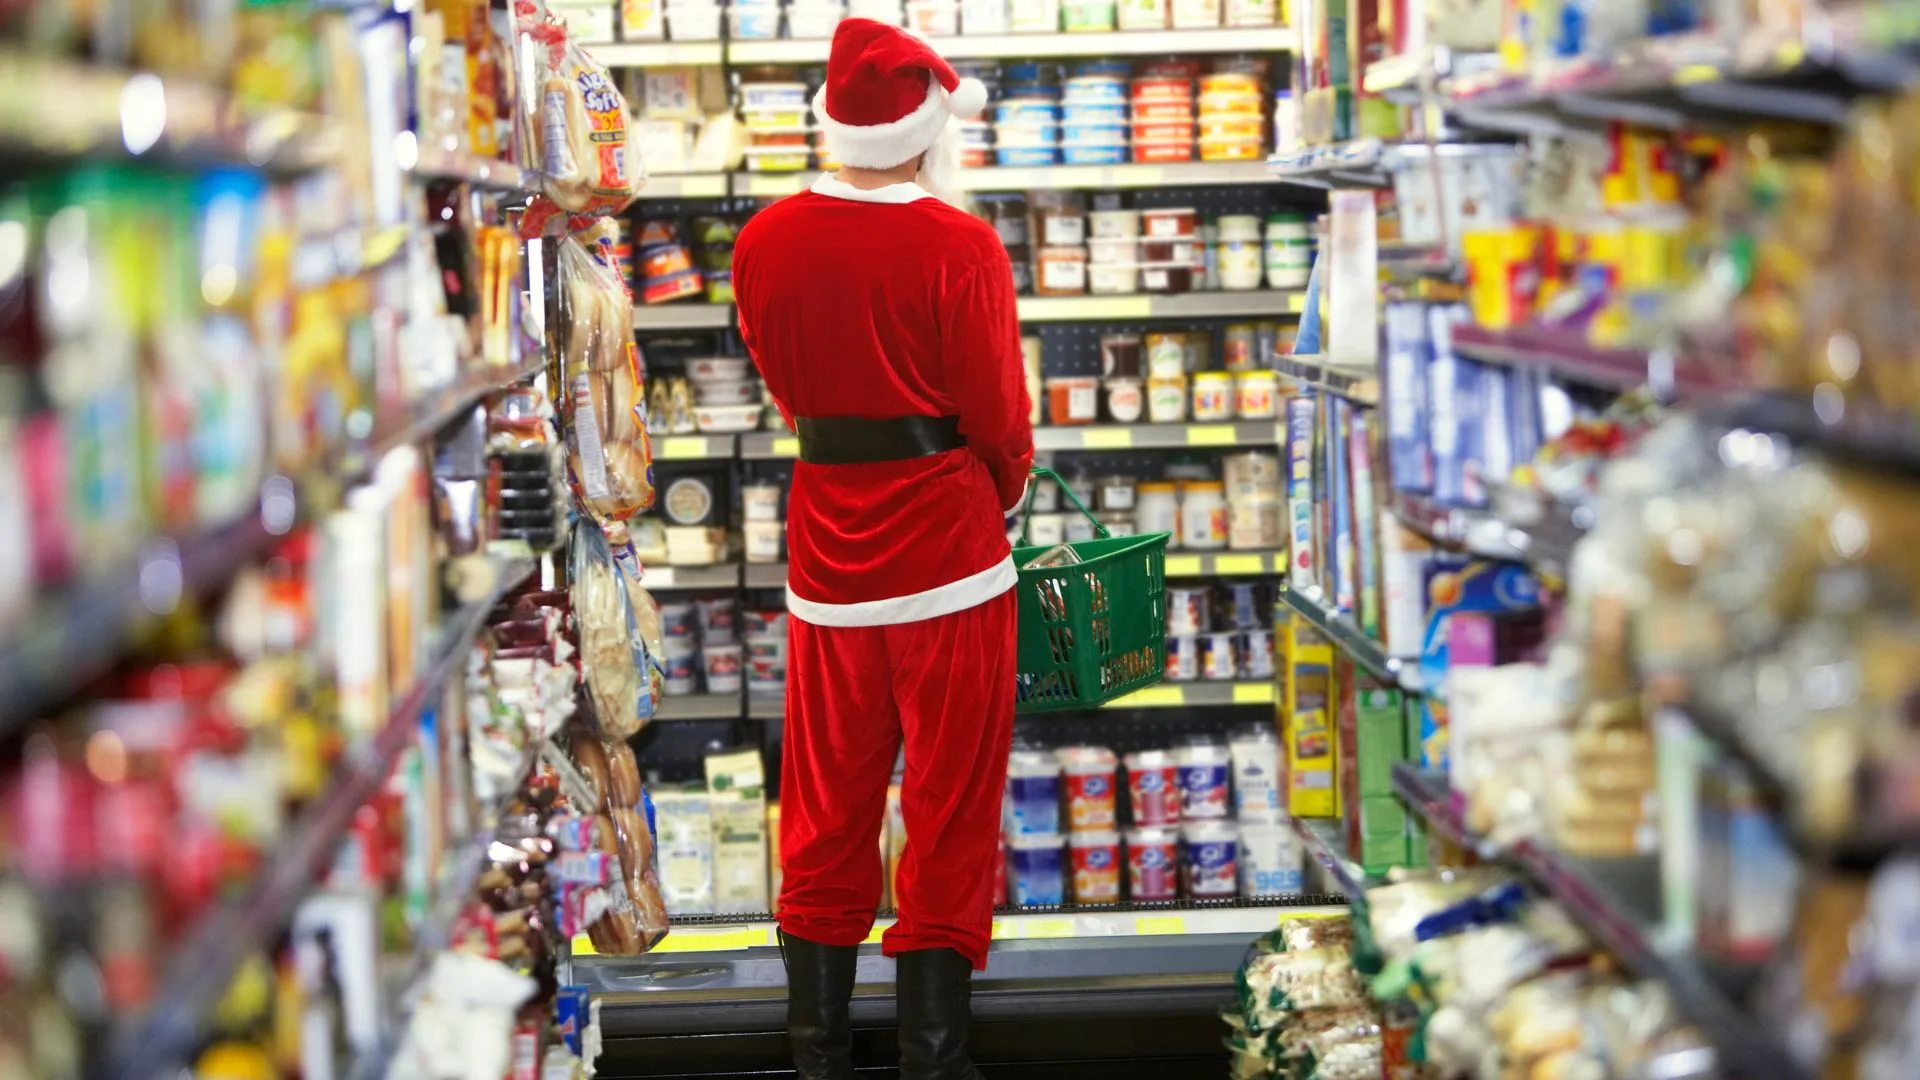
point(1091, 788)
point(1153, 788)
point(1153, 864)
point(1096, 867)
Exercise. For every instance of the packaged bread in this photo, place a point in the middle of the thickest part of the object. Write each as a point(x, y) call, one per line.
point(609, 663)
point(609, 456)
point(589, 168)
point(623, 773)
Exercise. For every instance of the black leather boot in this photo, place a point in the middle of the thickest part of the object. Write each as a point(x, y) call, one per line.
point(935, 991)
point(819, 991)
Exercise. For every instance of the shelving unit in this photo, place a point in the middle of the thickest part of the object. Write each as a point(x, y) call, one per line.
point(204, 962)
point(1366, 653)
point(773, 185)
point(694, 447)
point(659, 54)
point(1544, 542)
point(1355, 383)
point(718, 576)
point(1266, 303)
point(1566, 352)
point(435, 163)
point(1225, 564)
point(1617, 901)
point(437, 410)
point(1166, 695)
point(1155, 436)
point(684, 316)
point(1222, 40)
point(1320, 837)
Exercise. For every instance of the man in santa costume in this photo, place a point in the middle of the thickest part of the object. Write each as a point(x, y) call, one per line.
point(882, 319)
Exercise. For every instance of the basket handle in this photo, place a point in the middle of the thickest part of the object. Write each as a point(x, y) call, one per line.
point(1026, 516)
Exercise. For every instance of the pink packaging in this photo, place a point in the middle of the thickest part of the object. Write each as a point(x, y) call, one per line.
point(1153, 864)
point(1090, 787)
point(1096, 867)
point(1153, 788)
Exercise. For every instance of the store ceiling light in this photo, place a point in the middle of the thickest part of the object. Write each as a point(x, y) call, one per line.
point(143, 112)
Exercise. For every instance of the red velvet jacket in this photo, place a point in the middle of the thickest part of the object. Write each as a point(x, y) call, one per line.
point(879, 304)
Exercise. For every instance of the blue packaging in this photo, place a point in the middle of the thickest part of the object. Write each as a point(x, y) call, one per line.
point(1096, 132)
point(1027, 155)
point(1460, 587)
point(1082, 112)
point(1027, 111)
point(1035, 874)
point(1033, 793)
point(1111, 154)
point(1115, 69)
point(572, 1012)
point(1212, 858)
point(1409, 459)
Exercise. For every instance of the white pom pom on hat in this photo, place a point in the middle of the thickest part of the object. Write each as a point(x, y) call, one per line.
point(887, 95)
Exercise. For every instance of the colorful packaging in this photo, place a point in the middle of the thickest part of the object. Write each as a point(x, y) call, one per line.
point(1090, 786)
point(1096, 867)
point(1033, 793)
point(1203, 780)
point(1035, 873)
point(1256, 776)
point(1212, 858)
point(1153, 864)
point(1153, 788)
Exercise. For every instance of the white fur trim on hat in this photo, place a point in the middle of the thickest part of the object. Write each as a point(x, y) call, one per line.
point(968, 98)
point(882, 146)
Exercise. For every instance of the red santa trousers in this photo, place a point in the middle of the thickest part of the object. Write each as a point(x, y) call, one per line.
point(943, 684)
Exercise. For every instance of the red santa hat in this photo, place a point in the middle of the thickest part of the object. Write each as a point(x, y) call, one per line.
point(888, 95)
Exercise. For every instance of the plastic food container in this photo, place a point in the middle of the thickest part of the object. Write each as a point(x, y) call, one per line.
point(1111, 251)
point(1168, 224)
point(1033, 16)
point(1212, 858)
point(1027, 110)
point(1022, 133)
point(726, 419)
point(1035, 875)
point(760, 95)
point(1142, 15)
point(717, 369)
point(777, 158)
point(1180, 131)
point(1212, 396)
point(1256, 395)
point(933, 18)
point(728, 392)
point(754, 20)
point(1162, 153)
point(774, 117)
point(1231, 149)
point(1168, 251)
point(1166, 278)
point(1153, 864)
point(693, 22)
point(763, 540)
point(1113, 224)
point(984, 16)
point(1111, 279)
point(1195, 14)
point(1090, 785)
point(1096, 866)
point(1219, 656)
point(1028, 155)
point(1153, 788)
point(1033, 793)
point(813, 22)
point(795, 138)
point(1162, 88)
point(1229, 126)
point(1096, 132)
point(1073, 399)
point(1230, 82)
point(1086, 16)
point(1091, 89)
point(724, 669)
point(1230, 104)
point(1094, 153)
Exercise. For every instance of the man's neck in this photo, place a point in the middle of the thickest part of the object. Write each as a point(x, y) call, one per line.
point(871, 179)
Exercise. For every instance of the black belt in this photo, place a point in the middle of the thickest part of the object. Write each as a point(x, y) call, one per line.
point(851, 440)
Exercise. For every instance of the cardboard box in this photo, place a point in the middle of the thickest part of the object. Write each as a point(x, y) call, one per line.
point(1307, 726)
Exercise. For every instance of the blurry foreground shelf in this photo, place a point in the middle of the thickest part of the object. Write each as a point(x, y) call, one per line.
point(1618, 902)
point(1366, 653)
point(202, 964)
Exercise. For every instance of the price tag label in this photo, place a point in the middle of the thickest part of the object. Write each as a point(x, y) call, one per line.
point(1212, 435)
point(1000, 930)
point(788, 446)
point(1238, 564)
point(1110, 438)
point(1048, 928)
point(1153, 697)
point(1297, 303)
point(1253, 694)
point(1147, 925)
point(682, 448)
point(1694, 74)
point(1183, 566)
point(873, 935)
point(715, 939)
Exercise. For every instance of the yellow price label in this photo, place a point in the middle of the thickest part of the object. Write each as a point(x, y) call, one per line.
point(1790, 54)
point(1048, 928)
point(1153, 697)
point(1253, 694)
point(1148, 925)
point(1694, 74)
point(1183, 566)
point(874, 935)
point(787, 446)
point(1239, 564)
point(999, 932)
point(1212, 435)
point(583, 946)
point(1107, 438)
point(715, 939)
point(1297, 303)
point(683, 447)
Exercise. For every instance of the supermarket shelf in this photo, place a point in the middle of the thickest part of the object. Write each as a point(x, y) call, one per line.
point(717, 576)
point(699, 707)
point(1365, 162)
point(1063, 177)
point(1019, 46)
point(1617, 901)
point(1566, 353)
point(1880, 439)
point(1545, 541)
point(766, 576)
point(659, 54)
point(433, 163)
point(1244, 918)
point(769, 446)
point(74, 639)
point(437, 410)
point(1353, 382)
point(1364, 651)
point(1196, 695)
point(1321, 838)
point(688, 186)
point(1225, 564)
point(1156, 436)
point(1256, 303)
point(202, 965)
point(693, 447)
point(766, 707)
point(684, 316)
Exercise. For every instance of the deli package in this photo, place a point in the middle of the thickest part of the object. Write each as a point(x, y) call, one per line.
point(609, 457)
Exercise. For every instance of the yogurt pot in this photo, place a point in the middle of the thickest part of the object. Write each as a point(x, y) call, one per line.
point(1090, 786)
point(1256, 775)
point(1271, 859)
point(1035, 871)
point(1204, 767)
point(760, 502)
point(724, 669)
point(676, 620)
point(1153, 788)
point(1153, 864)
point(1096, 866)
point(1166, 399)
point(1220, 656)
point(763, 539)
point(1183, 657)
point(680, 674)
point(1212, 850)
point(1186, 607)
point(1033, 793)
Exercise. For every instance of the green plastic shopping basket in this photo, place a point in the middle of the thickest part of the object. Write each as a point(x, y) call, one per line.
point(1094, 630)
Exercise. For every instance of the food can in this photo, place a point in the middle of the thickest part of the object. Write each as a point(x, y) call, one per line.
point(1212, 858)
point(1033, 793)
point(1153, 864)
point(1183, 657)
point(1203, 780)
point(1035, 874)
point(1090, 786)
point(1096, 866)
point(1244, 606)
point(1187, 610)
point(1153, 788)
point(1219, 656)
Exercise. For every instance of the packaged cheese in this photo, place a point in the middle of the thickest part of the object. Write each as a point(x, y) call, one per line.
point(736, 786)
point(685, 823)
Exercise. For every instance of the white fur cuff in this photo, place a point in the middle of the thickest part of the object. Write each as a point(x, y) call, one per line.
point(882, 146)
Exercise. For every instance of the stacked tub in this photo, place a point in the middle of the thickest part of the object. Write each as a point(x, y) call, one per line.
point(1026, 128)
point(1162, 111)
point(1093, 106)
point(1231, 120)
point(814, 18)
point(775, 117)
